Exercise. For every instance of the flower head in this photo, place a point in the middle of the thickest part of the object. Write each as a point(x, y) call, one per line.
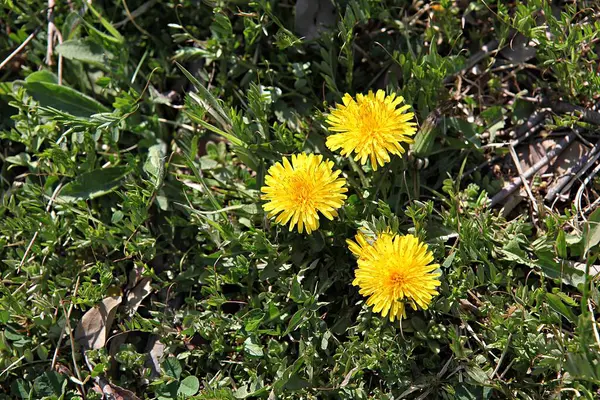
point(394, 270)
point(298, 190)
point(370, 126)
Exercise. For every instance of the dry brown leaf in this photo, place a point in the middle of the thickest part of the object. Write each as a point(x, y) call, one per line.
point(92, 330)
point(137, 295)
point(157, 349)
point(112, 391)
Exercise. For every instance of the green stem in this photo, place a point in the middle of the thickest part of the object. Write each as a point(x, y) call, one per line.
point(356, 168)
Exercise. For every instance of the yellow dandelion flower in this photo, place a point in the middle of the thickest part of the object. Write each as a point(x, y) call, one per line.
point(394, 270)
point(298, 190)
point(370, 126)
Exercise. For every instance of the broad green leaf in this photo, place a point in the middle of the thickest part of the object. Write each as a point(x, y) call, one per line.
point(21, 388)
point(253, 320)
point(71, 25)
point(513, 252)
point(296, 320)
point(583, 366)
point(188, 386)
point(172, 367)
point(477, 374)
point(93, 184)
point(168, 391)
point(556, 303)
point(426, 135)
point(252, 348)
point(296, 292)
point(64, 99)
point(563, 271)
point(42, 76)
point(470, 392)
point(48, 384)
point(84, 50)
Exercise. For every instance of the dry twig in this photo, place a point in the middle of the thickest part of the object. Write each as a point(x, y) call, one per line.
point(566, 181)
point(20, 48)
point(516, 183)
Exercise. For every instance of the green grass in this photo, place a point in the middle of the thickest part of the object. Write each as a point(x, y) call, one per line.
point(131, 178)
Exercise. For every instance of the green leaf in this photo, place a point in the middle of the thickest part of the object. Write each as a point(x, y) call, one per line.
point(93, 184)
point(253, 320)
point(513, 252)
point(155, 164)
point(556, 303)
point(21, 388)
point(49, 384)
point(252, 348)
point(210, 103)
point(425, 137)
point(296, 292)
point(4, 316)
point(591, 231)
point(564, 272)
point(477, 374)
point(107, 25)
point(296, 320)
point(42, 76)
point(84, 50)
point(561, 245)
point(64, 99)
point(172, 367)
point(189, 386)
point(168, 391)
point(470, 392)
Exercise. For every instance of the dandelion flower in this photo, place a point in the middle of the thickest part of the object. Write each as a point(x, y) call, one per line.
point(371, 126)
point(394, 270)
point(298, 190)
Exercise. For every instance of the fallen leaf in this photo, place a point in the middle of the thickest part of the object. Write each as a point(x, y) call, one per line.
point(92, 330)
point(137, 295)
point(157, 349)
point(112, 391)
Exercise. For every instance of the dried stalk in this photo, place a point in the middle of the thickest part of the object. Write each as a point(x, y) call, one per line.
point(516, 183)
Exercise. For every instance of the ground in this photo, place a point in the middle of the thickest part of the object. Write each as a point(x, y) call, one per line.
point(137, 260)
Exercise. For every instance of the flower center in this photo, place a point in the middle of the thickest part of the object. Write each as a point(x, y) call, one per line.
point(370, 124)
point(302, 190)
point(398, 278)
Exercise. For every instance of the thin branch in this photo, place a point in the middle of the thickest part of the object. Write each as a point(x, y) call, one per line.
point(51, 31)
point(35, 235)
point(566, 181)
point(523, 132)
point(517, 163)
point(582, 188)
point(132, 19)
point(586, 115)
point(516, 183)
point(136, 13)
point(55, 357)
point(73, 355)
point(20, 48)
